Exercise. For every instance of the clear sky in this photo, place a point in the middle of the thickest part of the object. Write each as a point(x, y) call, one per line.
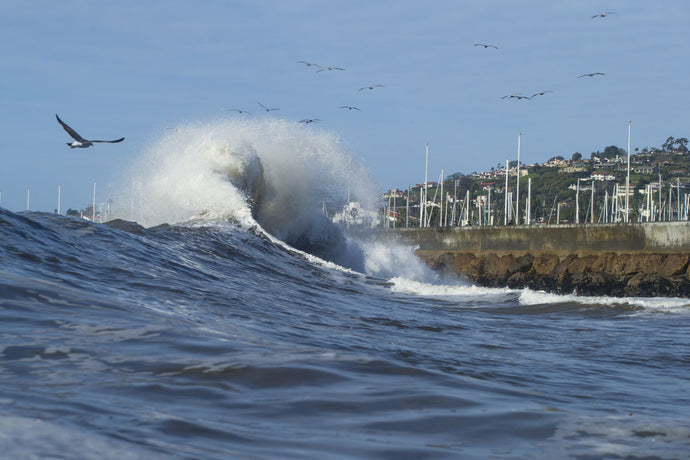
point(134, 68)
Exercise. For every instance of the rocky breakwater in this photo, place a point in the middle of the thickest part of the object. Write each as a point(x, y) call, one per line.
point(641, 259)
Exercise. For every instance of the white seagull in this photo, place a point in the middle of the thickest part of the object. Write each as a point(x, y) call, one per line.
point(369, 87)
point(266, 108)
point(79, 141)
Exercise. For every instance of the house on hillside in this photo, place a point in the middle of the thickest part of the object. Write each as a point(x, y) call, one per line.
point(556, 163)
point(573, 168)
point(603, 176)
point(643, 169)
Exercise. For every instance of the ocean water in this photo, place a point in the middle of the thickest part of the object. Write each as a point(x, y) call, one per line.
point(235, 321)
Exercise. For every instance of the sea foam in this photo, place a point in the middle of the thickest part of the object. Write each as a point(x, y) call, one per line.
point(279, 174)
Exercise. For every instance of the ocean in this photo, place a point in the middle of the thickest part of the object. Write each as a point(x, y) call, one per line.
point(235, 321)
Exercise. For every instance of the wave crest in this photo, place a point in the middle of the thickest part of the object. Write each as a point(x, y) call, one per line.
point(278, 173)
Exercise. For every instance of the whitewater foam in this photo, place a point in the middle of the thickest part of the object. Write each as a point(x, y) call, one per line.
point(276, 173)
point(529, 297)
point(410, 286)
point(388, 259)
point(223, 166)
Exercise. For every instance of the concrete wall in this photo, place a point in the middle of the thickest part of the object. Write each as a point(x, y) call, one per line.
point(650, 259)
point(658, 237)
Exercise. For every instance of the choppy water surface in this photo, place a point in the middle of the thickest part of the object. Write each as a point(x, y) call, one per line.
point(216, 339)
point(209, 341)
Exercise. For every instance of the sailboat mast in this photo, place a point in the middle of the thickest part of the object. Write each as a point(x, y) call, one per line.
point(627, 180)
point(517, 188)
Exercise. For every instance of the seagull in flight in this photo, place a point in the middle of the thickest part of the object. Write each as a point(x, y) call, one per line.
point(591, 74)
point(309, 64)
point(369, 87)
point(540, 93)
point(516, 96)
point(240, 111)
point(79, 141)
point(486, 46)
point(603, 15)
point(266, 108)
point(348, 107)
point(330, 67)
point(310, 120)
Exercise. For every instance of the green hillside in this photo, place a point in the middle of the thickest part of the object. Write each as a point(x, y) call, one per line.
point(554, 190)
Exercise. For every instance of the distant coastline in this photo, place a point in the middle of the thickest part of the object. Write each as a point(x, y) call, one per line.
point(614, 185)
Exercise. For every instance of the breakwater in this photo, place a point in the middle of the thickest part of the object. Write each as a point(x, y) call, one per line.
point(633, 259)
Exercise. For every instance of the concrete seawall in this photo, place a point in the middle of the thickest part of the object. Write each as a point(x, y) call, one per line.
point(637, 259)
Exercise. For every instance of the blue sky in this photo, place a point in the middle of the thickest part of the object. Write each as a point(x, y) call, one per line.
point(133, 69)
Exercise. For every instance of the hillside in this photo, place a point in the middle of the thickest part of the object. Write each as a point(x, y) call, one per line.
point(659, 181)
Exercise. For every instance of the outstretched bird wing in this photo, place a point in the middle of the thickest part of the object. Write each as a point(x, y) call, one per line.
point(72, 132)
point(113, 142)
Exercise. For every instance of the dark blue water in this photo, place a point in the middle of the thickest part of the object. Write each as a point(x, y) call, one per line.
point(213, 341)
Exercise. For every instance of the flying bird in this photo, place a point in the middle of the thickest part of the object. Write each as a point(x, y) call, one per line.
point(266, 108)
point(79, 141)
point(309, 64)
point(591, 74)
point(240, 111)
point(516, 96)
point(486, 46)
point(310, 120)
point(603, 15)
point(370, 87)
point(348, 107)
point(540, 93)
point(329, 68)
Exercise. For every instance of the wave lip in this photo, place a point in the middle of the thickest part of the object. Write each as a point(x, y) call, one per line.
point(279, 174)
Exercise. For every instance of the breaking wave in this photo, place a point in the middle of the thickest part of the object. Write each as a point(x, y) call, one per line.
point(278, 174)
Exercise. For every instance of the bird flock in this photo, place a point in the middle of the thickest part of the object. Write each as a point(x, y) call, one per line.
point(513, 96)
point(522, 96)
point(80, 142)
point(319, 68)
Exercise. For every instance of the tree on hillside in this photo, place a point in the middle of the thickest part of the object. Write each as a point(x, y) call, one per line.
point(675, 145)
point(612, 152)
point(577, 156)
point(668, 145)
